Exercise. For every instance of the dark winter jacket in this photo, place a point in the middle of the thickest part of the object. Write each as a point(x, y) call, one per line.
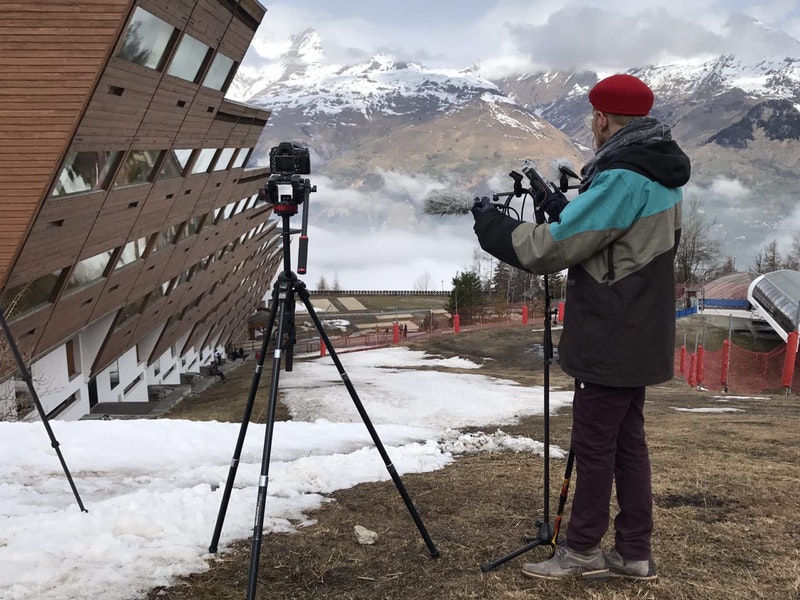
point(618, 239)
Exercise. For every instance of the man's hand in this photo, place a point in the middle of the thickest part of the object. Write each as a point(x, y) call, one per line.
point(481, 207)
point(552, 204)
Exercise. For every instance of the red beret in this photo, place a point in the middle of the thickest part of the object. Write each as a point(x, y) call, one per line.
point(622, 95)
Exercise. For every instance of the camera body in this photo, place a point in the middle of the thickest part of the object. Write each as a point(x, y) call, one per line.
point(289, 158)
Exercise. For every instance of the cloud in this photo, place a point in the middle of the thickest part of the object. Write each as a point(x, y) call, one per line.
point(379, 238)
point(732, 189)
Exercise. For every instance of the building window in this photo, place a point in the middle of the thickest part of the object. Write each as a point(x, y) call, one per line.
point(131, 309)
point(113, 374)
point(189, 59)
point(175, 164)
point(166, 237)
point(24, 298)
point(224, 159)
point(137, 167)
point(219, 73)
point(73, 364)
point(89, 271)
point(146, 40)
point(240, 158)
point(131, 252)
point(204, 159)
point(84, 172)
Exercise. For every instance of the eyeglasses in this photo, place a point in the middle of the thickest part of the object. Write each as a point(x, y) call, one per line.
point(589, 118)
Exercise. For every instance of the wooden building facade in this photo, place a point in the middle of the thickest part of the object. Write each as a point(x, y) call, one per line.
point(132, 242)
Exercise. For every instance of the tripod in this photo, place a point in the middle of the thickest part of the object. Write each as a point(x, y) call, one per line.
point(547, 532)
point(282, 311)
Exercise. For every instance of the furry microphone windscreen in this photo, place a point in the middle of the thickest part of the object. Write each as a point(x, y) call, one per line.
point(445, 202)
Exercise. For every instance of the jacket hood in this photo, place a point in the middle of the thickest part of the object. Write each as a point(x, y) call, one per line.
point(662, 161)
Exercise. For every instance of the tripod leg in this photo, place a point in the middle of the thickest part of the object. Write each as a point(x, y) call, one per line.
point(285, 295)
point(29, 381)
point(303, 293)
point(248, 411)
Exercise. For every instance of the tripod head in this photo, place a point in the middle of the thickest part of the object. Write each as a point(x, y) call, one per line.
point(286, 190)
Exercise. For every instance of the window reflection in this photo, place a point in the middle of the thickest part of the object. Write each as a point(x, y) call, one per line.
point(219, 73)
point(203, 162)
point(224, 159)
point(21, 299)
point(132, 252)
point(188, 59)
point(240, 158)
point(131, 309)
point(146, 40)
point(85, 171)
point(137, 167)
point(175, 164)
point(89, 271)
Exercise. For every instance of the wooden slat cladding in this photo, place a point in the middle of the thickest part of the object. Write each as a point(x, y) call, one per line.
point(50, 55)
point(117, 106)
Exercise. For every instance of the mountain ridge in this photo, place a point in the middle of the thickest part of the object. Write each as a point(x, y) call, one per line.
point(738, 120)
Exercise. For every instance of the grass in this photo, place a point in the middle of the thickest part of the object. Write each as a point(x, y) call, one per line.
point(726, 487)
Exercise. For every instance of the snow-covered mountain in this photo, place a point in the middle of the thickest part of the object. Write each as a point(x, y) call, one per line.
point(395, 115)
point(737, 118)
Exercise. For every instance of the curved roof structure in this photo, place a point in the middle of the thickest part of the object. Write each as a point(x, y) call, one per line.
point(732, 286)
point(776, 295)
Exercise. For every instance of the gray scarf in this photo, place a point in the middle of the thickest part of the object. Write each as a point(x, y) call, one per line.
point(639, 131)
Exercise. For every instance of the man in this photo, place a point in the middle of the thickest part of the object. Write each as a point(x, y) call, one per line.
point(618, 239)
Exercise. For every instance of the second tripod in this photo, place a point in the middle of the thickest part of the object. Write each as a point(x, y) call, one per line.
point(286, 288)
point(547, 532)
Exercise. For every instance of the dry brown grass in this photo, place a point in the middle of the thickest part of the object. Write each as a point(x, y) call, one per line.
point(727, 500)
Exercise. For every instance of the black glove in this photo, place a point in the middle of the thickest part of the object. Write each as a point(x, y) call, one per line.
point(552, 204)
point(482, 207)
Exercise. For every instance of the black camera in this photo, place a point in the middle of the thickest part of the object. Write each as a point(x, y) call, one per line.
point(290, 158)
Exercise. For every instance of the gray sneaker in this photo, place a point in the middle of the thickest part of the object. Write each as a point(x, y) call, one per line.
point(569, 563)
point(629, 569)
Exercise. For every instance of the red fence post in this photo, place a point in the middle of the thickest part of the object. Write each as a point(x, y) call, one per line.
point(683, 361)
point(456, 323)
point(525, 315)
point(726, 361)
point(791, 356)
point(701, 354)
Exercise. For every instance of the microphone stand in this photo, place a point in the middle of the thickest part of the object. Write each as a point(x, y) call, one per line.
point(547, 532)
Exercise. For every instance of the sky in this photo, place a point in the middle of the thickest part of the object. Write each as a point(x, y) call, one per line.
point(493, 37)
point(603, 35)
point(152, 488)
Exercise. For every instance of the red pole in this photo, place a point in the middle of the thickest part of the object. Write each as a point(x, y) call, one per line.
point(692, 370)
point(726, 363)
point(396, 333)
point(321, 348)
point(701, 353)
point(683, 361)
point(791, 357)
point(525, 315)
point(456, 323)
point(561, 306)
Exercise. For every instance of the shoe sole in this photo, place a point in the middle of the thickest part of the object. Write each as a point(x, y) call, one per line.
point(616, 575)
point(593, 575)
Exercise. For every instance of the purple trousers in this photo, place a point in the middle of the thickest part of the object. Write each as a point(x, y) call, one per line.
point(609, 443)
